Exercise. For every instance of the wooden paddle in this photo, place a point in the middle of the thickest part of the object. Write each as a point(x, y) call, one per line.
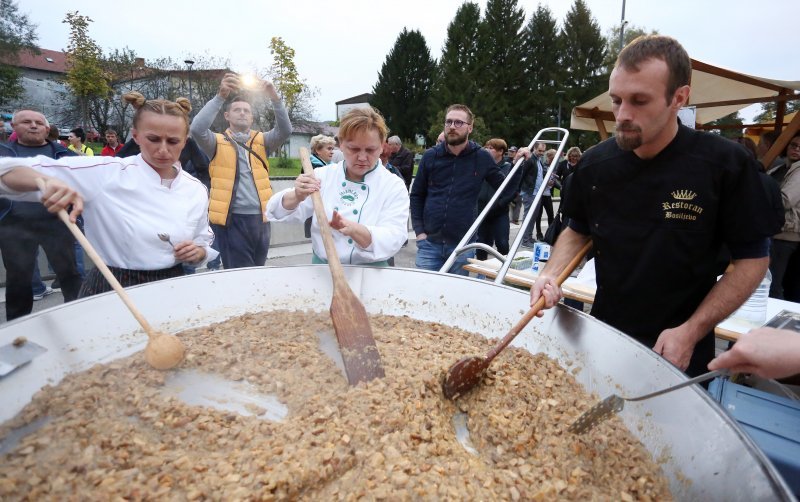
point(468, 371)
point(362, 361)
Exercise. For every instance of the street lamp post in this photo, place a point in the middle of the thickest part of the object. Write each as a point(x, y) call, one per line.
point(189, 63)
point(559, 94)
point(622, 24)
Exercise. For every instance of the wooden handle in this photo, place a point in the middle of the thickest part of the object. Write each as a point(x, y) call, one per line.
point(337, 272)
point(539, 305)
point(101, 266)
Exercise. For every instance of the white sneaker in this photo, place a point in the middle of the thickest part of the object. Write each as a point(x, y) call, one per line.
point(47, 292)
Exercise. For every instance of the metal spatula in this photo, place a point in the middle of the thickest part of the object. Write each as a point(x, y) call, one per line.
point(614, 403)
point(18, 353)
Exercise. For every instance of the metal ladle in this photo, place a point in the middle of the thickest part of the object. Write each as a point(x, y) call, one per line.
point(163, 351)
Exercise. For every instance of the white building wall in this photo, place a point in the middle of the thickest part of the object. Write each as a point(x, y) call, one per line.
point(342, 109)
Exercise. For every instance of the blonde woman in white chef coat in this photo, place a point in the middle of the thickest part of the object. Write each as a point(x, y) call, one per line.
point(367, 205)
point(129, 201)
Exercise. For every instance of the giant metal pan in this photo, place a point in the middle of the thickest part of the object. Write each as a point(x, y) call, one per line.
point(704, 453)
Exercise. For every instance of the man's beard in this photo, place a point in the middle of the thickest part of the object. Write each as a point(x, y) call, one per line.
point(629, 143)
point(456, 140)
point(28, 139)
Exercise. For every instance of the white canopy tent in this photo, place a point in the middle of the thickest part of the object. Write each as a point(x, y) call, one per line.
point(716, 92)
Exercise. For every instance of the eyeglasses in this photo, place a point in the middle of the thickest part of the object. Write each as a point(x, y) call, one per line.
point(454, 123)
point(794, 145)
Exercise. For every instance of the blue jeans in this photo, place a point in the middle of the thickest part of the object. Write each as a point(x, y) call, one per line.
point(432, 255)
point(244, 242)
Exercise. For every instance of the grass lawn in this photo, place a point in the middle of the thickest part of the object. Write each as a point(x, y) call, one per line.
point(275, 171)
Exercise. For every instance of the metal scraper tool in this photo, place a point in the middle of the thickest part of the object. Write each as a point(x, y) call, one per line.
point(18, 353)
point(614, 403)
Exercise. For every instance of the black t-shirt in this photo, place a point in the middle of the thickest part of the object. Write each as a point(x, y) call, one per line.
point(657, 227)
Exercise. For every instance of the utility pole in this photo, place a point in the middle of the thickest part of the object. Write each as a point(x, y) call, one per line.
point(558, 122)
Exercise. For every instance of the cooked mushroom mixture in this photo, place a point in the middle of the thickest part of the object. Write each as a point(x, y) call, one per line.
point(112, 432)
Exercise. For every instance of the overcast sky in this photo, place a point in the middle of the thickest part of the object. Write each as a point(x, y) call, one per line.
point(341, 44)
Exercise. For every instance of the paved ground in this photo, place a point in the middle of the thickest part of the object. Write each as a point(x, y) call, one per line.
point(281, 256)
point(278, 256)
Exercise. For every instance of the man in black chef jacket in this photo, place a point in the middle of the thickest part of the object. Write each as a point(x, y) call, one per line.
point(658, 202)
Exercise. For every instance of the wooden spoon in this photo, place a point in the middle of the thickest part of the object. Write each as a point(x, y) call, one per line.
point(163, 351)
point(362, 361)
point(467, 372)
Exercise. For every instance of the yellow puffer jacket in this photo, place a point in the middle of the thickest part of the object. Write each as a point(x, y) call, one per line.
point(223, 170)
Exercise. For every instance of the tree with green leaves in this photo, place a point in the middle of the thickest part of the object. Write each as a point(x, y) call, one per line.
point(455, 78)
point(86, 76)
point(17, 34)
point(769, 111)
point(734, 125)
point(583, 62)
point(613, 49)
point(501, 73)
point(402, 92)
point(543, 76)
point(297, 95)
point(110, 111)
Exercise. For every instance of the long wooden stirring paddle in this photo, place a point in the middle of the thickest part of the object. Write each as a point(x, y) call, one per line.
point(163, 351)
point(468, 371)
point(362, 361)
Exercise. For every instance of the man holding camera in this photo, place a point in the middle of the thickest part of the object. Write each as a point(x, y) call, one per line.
point(239, 170)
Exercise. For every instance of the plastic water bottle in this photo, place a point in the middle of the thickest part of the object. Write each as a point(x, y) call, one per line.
point(754, 309)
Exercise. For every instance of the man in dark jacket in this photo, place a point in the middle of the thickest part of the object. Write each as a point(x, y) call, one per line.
point(24, 226)
point(402, 159)
point(445, 193)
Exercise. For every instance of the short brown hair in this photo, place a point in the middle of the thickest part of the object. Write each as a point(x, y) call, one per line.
point(661, 47)
point(360, 120)
point(463, 108)
point(497, 144)
point(178, 108)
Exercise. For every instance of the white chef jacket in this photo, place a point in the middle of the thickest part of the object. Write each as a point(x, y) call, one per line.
point(126, 207)
point(380, 203)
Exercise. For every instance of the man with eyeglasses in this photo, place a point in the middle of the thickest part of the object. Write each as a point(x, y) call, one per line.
point(445, 192)
point(786, 243)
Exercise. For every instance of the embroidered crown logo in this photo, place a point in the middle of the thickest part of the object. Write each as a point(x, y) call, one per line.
point(684, 194)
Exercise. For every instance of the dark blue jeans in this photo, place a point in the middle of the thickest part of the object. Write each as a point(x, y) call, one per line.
point(432, 255)
point(244, 241)
point(494, 232)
